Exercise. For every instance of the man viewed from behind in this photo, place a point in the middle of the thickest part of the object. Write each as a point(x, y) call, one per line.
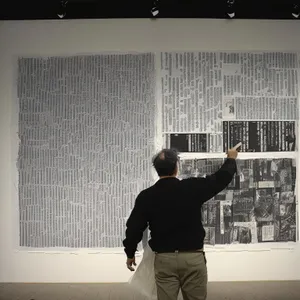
point(172, 210)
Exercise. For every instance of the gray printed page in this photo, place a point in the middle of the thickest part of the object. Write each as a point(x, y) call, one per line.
point(214, 100)
point(86, 130)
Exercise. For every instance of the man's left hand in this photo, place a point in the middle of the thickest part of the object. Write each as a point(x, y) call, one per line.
point(130, 262)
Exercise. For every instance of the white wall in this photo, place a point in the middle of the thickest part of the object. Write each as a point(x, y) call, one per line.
point(73, 37)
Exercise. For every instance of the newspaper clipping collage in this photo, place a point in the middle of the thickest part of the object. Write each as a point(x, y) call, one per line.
point(89, 125)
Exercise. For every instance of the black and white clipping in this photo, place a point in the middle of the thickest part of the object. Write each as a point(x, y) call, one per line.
point(210, 94)
point(86, 132)
point(258, 206)
point(260, 136)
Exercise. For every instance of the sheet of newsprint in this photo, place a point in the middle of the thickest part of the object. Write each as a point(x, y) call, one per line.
point(213, 100)
point(258, 206)
point(86, 132)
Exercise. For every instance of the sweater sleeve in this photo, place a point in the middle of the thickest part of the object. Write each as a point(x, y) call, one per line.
point(135, 226)
point(213, 184)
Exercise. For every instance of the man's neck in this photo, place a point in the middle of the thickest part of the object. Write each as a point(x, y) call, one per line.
point(162, 177)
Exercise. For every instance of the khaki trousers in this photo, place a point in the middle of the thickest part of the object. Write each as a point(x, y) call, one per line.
point(181, 270)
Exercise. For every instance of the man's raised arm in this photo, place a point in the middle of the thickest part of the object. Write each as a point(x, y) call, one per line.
point(213, 184)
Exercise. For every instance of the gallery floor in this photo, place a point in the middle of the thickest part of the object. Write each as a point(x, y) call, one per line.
point(288, 290)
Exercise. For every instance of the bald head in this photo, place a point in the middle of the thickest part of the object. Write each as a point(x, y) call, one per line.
point(165, 163)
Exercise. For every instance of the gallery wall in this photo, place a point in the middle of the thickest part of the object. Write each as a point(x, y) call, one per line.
point(33, 39)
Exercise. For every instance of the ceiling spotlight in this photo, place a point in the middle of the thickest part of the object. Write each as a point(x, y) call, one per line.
point(62, 10)
point(296, 10)
point(155, 8)
point(230, 8)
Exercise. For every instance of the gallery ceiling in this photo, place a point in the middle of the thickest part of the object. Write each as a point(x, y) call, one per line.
point(110, 9)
